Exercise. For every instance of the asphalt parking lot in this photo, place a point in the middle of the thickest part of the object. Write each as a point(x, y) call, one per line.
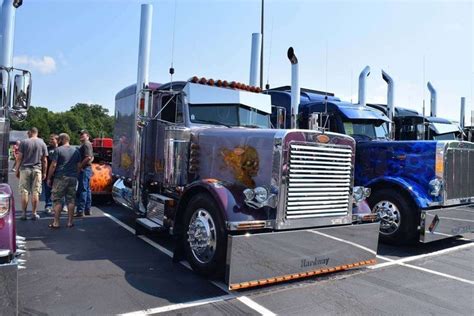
point(99, 267)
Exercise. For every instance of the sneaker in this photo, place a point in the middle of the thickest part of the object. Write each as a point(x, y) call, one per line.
point(65, 209)
point(34, 217)
point(87, 213)
point(77, 214)
point(48, 211)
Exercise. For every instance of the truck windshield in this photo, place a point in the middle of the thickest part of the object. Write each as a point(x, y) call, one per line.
point(370, 129)
point(228, 114)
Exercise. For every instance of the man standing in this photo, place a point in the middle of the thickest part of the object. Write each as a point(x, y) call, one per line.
point(31, 170)
point(53, 144)
point(84, 196)
point(62, 176)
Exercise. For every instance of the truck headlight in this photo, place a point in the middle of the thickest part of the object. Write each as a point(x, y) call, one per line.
point(261, 194)
point(4, 204)
point(435, 187)
point(358, 194)
point(249, 194)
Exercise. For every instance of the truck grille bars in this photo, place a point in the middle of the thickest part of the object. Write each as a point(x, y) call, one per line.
point(319, 181)
point(459, 173)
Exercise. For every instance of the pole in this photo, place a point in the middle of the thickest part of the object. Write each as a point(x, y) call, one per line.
point(262, 23)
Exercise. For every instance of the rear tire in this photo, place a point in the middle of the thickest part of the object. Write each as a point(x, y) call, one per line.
point(399, 218)
point(204, 236)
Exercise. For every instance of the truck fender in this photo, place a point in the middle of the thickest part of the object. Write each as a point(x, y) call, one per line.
point(217, 190)
point(410, 188)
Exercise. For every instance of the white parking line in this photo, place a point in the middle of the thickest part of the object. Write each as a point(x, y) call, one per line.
point(412, 258)
point(437, 273)
point(255, 306)
point(245, 300)
point(180, 306)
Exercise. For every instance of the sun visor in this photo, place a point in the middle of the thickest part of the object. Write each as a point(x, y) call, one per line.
point(204, 94)
point(362, 113)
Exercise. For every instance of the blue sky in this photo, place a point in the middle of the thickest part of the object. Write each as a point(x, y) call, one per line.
point(86, 51)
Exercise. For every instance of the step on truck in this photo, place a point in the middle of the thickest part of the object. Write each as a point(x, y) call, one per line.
point(421, 190)
point(256, 205)
point(15, 95)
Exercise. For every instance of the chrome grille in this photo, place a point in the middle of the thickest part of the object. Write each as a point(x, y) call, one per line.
point(319, 181)
point(459, 173)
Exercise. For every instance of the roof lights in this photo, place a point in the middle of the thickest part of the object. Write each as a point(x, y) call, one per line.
point(225, 84)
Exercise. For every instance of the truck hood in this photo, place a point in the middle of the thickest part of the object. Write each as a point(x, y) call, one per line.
point(251, 157)
point(409, 162)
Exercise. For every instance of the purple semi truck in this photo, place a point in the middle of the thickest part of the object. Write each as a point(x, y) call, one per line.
point(15, 95)
point(199, 159)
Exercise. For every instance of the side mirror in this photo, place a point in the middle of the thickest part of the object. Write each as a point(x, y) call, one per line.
point(21, 96)
point(22, 92)
point(4, 87)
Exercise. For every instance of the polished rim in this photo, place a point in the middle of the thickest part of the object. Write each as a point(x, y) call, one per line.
point(389, 217)
point(202, 237)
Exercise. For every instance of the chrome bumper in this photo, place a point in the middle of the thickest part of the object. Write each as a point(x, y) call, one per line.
point(9, 288)
point(446, 222)
point(265, 258)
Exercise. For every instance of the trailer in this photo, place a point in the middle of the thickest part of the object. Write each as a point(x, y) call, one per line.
point(244, 202)
point(421, 190)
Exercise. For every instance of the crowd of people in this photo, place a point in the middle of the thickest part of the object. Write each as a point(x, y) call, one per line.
point(62, 172)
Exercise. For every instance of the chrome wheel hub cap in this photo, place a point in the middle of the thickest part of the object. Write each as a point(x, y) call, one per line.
point(389, 217)
point(202, 236)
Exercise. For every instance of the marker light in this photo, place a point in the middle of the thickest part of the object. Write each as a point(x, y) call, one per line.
point(4, 204)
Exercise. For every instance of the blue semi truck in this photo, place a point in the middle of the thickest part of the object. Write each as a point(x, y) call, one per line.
point(421, 190)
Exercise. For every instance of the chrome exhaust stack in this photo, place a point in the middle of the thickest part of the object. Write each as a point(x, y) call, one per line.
point(433, 99)
point(463, 113)
point(295, 87)
point(141, 111)
point(255, 58)
point(390, 96)
point(362, 85)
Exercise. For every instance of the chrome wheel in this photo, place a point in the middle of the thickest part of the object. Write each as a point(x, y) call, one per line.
point(202, 237)
point(389, 217)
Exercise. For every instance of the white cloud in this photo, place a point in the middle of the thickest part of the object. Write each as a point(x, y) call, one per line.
point(44, 65)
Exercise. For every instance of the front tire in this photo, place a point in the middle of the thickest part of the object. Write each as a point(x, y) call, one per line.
point(204, 236)
point(399, 220)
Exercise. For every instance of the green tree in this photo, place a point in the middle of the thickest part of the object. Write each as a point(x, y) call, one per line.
point(93, 117)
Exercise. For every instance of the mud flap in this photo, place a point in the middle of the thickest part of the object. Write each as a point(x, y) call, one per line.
point(265, 258)
point(446, 222)
point(9, 289)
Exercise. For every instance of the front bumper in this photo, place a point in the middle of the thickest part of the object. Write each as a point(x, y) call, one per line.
point(446, 222)
point(9, 288)
point(265, 258)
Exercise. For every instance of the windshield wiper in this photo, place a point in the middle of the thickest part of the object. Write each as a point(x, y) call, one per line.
point(249, 125)
point(211, 122)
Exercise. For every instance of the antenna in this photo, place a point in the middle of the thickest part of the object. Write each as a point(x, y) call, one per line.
point(267, 86)
point(352, 76)
point(326, 92)
point(172, 47)
point(425, 127)
point(262, 22)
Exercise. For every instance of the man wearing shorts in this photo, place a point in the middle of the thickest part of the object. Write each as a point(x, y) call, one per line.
point(31, 170)
point(64, 169)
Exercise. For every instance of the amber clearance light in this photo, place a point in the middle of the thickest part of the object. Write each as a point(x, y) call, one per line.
point(288, 277)
point(223, 83)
